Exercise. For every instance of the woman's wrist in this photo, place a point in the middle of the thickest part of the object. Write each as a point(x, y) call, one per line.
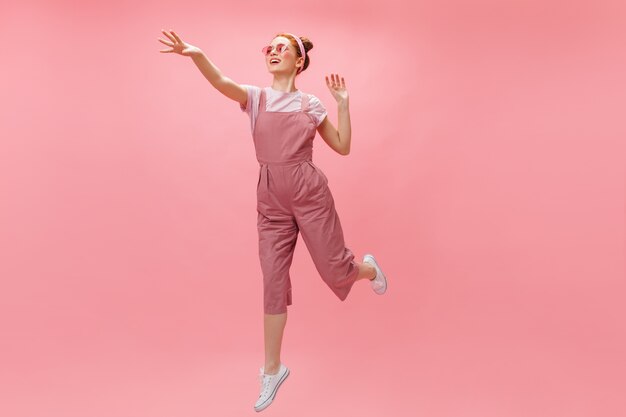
point(195, 51)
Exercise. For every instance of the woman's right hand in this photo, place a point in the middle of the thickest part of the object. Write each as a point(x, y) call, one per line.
point(177, 45)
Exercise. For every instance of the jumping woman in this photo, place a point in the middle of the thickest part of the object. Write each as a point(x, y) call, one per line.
point(292, 192)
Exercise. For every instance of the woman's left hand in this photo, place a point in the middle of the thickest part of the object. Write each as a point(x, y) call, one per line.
point(337, 89)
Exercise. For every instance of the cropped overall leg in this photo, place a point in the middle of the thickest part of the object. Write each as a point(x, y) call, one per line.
point(277, 241)
point(278, 233)
point(322, 233)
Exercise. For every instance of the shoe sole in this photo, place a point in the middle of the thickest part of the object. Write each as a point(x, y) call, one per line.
point(378, 269)
point(271, 397)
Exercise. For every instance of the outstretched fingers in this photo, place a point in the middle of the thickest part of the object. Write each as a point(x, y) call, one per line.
point(331, 83)
point(176, 36)
point(168, 35)
point(165, 42)
point(334, 81)
point(343, 82)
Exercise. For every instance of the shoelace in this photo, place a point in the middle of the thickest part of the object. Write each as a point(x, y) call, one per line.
point(264, 381)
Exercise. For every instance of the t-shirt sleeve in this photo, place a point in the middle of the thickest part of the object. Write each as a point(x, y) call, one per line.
point(254, 93)
point(317, 110)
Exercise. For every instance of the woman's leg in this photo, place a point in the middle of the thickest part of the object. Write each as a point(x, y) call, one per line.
point(274, 327)
point(366, 271)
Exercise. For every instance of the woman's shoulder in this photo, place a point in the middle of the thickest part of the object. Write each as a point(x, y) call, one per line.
point(252, 87)
point(313, 98)
point(316, 103)
point(254, 92)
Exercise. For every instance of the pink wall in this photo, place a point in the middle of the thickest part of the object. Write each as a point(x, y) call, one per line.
point(486, 175)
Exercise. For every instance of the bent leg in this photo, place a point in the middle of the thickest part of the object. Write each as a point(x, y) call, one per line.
point(323, 235)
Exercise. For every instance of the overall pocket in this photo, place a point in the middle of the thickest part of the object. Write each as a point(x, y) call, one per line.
point(262, 182)
point(319, 171)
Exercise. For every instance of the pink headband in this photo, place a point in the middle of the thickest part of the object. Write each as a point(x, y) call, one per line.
point(302, 51)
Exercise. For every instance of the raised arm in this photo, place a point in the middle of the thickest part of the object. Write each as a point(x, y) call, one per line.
point(339, 138)
point(211, 72)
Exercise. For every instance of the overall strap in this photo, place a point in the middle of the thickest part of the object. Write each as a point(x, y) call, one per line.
point(305, 102)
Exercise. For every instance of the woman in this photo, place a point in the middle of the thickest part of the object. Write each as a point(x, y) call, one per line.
point(292, 193)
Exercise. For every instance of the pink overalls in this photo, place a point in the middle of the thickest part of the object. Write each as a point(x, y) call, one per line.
point(293, 196)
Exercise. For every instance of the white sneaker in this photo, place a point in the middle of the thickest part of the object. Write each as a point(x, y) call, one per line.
point(269, 386)
point(379, 283)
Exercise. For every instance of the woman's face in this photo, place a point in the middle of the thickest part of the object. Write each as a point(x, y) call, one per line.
point(286, 60)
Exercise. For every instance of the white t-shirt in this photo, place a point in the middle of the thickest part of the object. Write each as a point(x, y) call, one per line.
point(279, 101)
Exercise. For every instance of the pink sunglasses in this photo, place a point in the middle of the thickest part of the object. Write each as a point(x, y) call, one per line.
point(280, 48)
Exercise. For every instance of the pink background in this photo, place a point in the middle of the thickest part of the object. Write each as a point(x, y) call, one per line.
point(486, 175)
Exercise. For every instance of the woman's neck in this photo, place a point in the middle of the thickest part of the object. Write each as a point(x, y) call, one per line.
point(284, 86)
